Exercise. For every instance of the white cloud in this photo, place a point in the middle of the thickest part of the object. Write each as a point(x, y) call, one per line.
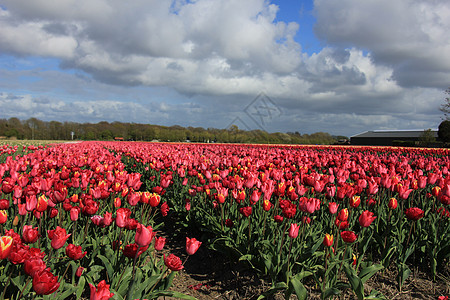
point(411, 36)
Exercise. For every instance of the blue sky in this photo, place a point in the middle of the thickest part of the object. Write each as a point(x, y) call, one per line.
point(341, 67)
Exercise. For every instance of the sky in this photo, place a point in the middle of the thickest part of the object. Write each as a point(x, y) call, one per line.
point(341, 67)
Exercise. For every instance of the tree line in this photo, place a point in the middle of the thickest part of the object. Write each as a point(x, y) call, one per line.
point(35, 129)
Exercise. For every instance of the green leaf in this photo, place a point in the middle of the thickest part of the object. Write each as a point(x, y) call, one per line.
point(80, 287)
point(299, 288)
point(355, 281)
point(70, 289)
point(368, 272)
point(331, 291)
point(108, 265)
point(275, 288)
point(376, 295)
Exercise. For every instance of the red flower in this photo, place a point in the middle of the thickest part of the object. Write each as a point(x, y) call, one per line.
point(45, 283)
point(154, 200)
point(159, 243)
point(246, 211)
point(75, 252)
point(278, 218)
point(164, 209)
point(366, 218)
point(173, 262)
point(328, 240)
point(4, 203)
point(192, 245)
point(333, 207)
point(3, 216)
point(34, 265)
point(122, 216)
point(293, 230)
point(143, 235)
point(79, 271)
point(131, 249)
point(355, 201)
point(392, 203)
point(30, 234)
point(5, 246)
point(101, 292)
point(414, 213)
point(58, 237)
point(348, 236)
point(343, 215)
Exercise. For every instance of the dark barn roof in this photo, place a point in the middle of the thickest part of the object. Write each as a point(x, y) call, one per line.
point(386, 137)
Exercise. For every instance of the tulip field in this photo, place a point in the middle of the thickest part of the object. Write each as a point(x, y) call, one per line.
point(83, 220)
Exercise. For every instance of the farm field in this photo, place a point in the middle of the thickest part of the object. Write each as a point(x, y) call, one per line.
point(130, 220)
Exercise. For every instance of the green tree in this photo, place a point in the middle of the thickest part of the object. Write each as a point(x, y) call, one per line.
point(427, 137)
point(444, 131)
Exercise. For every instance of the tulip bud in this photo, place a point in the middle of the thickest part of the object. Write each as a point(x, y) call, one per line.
point(328, 240)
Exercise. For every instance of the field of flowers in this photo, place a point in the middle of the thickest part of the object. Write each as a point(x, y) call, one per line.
point(81, 220)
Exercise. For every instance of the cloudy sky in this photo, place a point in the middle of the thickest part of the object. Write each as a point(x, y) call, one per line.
point(341, 67)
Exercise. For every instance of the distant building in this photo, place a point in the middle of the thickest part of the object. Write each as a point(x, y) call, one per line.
point(387, 137)
point(118, 138)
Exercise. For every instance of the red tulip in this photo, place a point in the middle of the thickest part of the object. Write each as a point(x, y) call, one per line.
point(355, 201)
point(101, 292)
point(58, 237)
point(246, 211)
point(130, 250)
point(414, 213)
point(192, 245)
point(34, 265)
point(333, 207)
point(45, 283)
point(30, 234)
point(79, 271)
point(159, 243)
point(392, 203)
point(293, 230)
point(173, 262)
point(74, 213)
point(4, 203)
point(348, 236)
point(122, 216)
point(154, 200)
point(328, 240)
point(144, 235)
point(6, 243)
point(343, 215)
point(75, 252)
point(366, 218)
point(3, 216)
point(164, 209)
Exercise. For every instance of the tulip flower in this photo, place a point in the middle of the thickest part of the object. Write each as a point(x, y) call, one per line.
point(101, 292)
point(333, 207)
point(173, 262)
point(246, 211)
point(75, 252)
point(328, 240)
point(414, 213)
point(159, 243)
point(343, 215)
point(355, 201)
point(293, 230)
point(122, 216)
point(3, 216)
point(348, 236)
point(366, 218)
point(34, 265)
point(192, 245)
point(154, 200)
point(144, 235)
point(164, 209)
point(4, 204)
point(392, 203)
point(58, 237)
point(30, 234)
point(45, 283)
point(6, 243)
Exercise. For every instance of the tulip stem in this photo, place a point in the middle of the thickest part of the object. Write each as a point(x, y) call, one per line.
point(21, 292)
point(7, 283)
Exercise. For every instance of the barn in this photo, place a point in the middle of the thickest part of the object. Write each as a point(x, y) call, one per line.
point(388, 137)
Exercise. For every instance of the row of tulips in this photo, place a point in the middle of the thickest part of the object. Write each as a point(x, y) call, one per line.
point(74, 224)
point(333, 215)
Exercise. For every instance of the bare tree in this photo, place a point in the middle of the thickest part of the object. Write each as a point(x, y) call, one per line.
point(445, 108)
